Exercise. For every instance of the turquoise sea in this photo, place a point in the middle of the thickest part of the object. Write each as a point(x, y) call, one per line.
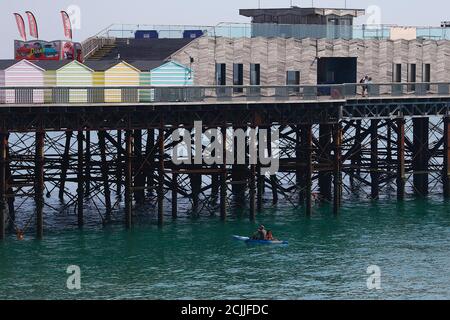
point(327, 257)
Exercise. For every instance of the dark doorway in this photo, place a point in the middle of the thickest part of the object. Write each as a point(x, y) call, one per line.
point(337, 70)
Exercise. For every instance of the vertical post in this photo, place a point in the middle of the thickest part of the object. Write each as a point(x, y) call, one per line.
point(3, 143)
point(421, 155)
point(337, 168)
point(252, 173)
point(88, 163)
point(65, 164)
point(223, 176)
point(389, 145)
point(273, 178)
point(150, 151)
point(374, 174)
point(161, 174)
point(174, 194)
point(80, 179)
point(104, 171)
point(401, 172)
point(446, 171)
point(309, 168)
point(128, 178)
point(325, 159)
point(139, 192)
point(39, 183)
point(260, 179)
point(119, 168)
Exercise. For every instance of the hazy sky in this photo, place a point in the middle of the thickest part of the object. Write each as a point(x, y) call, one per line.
point(98, 14)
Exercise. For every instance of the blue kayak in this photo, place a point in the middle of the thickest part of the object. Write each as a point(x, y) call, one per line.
point(250, 241)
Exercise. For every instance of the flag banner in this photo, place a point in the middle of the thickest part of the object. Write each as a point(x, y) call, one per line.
point(67, 25)
point(21, 26)
point(33, 25)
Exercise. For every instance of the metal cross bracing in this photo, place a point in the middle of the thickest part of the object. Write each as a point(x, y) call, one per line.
point(92, 167)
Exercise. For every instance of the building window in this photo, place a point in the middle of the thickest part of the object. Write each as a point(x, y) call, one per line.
point(412, 76)
point(427, 75)
point(255, 74)
point(238, 77)
point(293, 79)
point(397, 73)
point(221, 74)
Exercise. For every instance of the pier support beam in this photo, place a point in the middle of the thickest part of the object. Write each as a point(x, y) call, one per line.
point(174, 195)
point(3, 159)
point(421, 155)
point(223, 176)
point(88, 157)
point(401, 169)
point(139, 187)
point(65, 164)
point(128, 178)
point(119, 168)
point(161, 175)
point(80, 179)
point(104, 173)
point(374, 174)
point(337, 181)
point(446, 171)
point(39, 183)
point(309, 168)
point(299, 159)
point(150, 155)
point(325, 176)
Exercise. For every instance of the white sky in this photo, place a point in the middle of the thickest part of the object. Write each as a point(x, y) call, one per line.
point(98, 14)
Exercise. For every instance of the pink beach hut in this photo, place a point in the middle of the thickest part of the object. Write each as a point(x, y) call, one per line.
point(25, 76)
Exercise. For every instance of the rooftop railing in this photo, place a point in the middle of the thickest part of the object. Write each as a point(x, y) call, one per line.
point(247, 30)
point(29, 96)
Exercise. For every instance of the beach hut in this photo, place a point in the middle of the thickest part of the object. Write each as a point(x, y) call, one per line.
point(97, 93)
point(75, 74)
point(4, 64)
point(172, 74)
point(122, 75)
point(145, 95)
point(53, 95)
point(23, 75)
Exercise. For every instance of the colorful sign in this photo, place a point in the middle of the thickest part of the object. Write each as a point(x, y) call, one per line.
point(37, 50)
point(21, 26)
point(33, 25)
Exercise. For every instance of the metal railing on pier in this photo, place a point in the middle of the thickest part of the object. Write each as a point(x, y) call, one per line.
point(216, 94)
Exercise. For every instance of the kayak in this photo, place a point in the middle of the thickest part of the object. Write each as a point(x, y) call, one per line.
point(250, 241)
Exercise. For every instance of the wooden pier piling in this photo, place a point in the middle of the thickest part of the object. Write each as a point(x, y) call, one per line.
point(39, 183)
point(80, 179)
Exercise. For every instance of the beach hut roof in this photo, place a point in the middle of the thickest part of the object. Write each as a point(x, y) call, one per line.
point(176, 63)
point(5, 64)
point(147, 65)
point(26, 62)
point(51, 65)
point(101, 65)
point(77, 63)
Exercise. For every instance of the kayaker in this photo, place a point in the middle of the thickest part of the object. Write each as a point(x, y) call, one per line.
point(260, 234)
point(269, 236)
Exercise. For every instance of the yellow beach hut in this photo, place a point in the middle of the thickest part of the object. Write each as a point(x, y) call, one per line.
point(122, 75)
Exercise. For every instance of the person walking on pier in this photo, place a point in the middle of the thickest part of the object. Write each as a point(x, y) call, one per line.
point(364, 84)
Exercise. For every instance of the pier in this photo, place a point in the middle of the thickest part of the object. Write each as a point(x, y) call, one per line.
point(333, 144)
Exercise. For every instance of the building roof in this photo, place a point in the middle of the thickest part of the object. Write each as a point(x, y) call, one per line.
point(147, 65)
point(302, 12)
point(5, 64)
point(51, 65)
point(101, 65)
